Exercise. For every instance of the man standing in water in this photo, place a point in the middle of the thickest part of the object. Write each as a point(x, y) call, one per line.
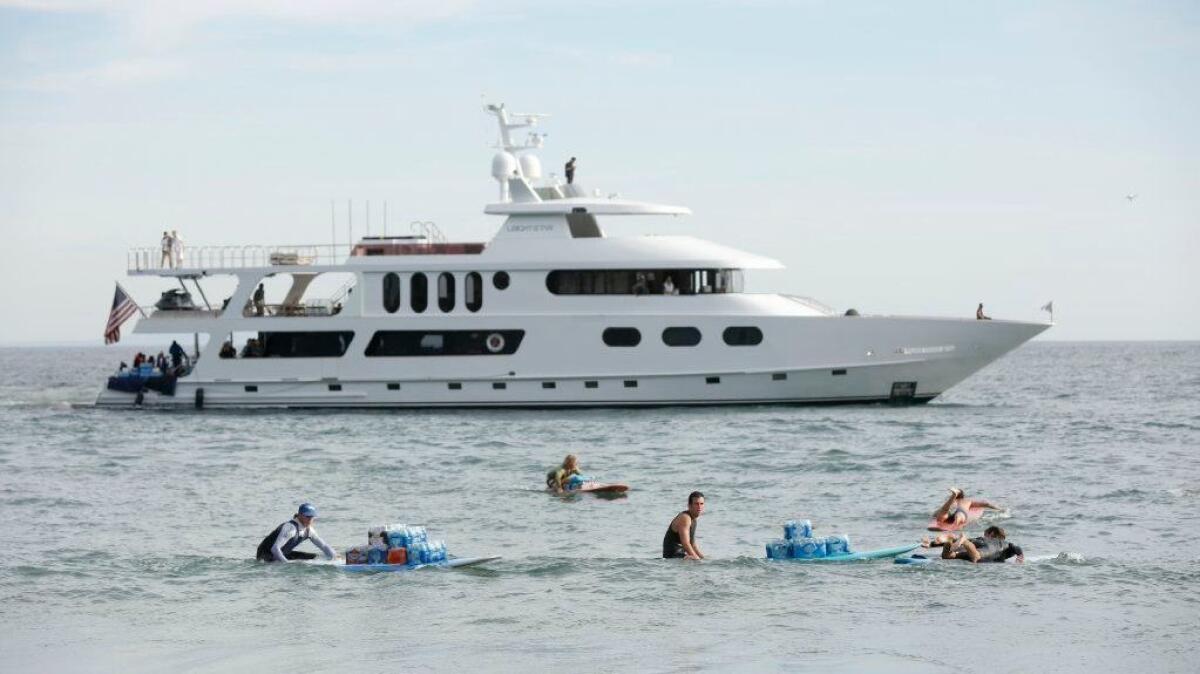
point(680, 540)
point(280, 544)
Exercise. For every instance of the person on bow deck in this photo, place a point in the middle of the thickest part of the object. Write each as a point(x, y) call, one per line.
point(559, 479)
point(569, 169)
point(280, 544)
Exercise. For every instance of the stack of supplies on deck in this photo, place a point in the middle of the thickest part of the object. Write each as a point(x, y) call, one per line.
point(398, 544)
point(798, 542)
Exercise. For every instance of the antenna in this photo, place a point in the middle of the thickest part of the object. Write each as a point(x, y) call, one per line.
point(368, 217)
point(385, 219)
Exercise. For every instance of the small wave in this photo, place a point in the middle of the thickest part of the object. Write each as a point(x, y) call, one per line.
point(1062, 557)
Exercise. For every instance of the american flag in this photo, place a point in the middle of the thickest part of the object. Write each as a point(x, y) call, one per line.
point(123, 307)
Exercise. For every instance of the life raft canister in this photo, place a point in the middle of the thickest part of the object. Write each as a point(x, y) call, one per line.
point(495, 342)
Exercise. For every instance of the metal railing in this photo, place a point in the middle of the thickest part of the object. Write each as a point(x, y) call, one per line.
point(151, 258)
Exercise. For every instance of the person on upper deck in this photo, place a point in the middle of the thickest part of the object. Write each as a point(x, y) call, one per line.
point(177, 248)
point(168, 246)
point(227, 350)
point(979, 315)
point(569, 169)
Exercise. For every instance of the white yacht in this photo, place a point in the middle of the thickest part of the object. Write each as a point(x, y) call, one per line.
point(552, 311)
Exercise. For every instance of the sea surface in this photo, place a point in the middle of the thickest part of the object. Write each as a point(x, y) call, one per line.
point(129, 536)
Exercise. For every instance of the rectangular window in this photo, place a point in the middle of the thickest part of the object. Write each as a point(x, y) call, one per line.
point(591, 384)
point(393, 386)
point(779, 376)
point(630, 383)
point(499, 385)
point(549, 384)
point(335, 387)
point(444, 343)
point(454, 386)
point(251, 388)
point(838, 373)
point(712, 380)
point(301, 344)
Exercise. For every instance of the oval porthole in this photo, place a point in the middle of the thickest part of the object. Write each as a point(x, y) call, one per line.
point(742, 336)
point(622, 336)
point(391, 292)
point(681, 336)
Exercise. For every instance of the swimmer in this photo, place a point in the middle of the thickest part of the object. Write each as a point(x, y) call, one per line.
point(992, 546)
point(558, 478)
point(680, 540)
point(955, 511)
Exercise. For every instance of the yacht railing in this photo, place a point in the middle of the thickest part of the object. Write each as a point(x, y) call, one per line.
point(151, 258)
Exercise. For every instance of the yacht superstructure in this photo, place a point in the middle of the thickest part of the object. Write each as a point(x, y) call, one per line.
point(550, 312)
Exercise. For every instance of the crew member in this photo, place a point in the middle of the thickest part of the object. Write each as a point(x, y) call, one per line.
point(680, 540)
point(569, 169)
point(280, 544)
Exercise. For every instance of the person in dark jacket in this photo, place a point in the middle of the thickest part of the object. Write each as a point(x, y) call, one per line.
point(280, 544)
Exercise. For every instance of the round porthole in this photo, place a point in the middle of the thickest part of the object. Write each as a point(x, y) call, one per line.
point(500, 280)
point(495, 342)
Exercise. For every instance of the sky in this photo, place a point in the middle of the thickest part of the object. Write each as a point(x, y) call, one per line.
point(899, 158)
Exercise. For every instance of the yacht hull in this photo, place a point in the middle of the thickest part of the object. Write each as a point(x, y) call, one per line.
point(803, 360)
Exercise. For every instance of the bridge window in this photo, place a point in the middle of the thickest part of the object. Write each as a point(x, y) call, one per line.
point(418, 292)
point(742, 336)
point(473, 292)
point(681, 336)
point(446, 291)
point(391, 292)
point(643, 281)
point(622, 337)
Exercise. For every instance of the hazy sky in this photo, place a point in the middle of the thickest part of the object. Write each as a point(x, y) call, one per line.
point(898, 157)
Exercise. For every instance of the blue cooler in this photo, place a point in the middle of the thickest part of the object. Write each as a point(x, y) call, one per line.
point(808, 548)
point(789, 530)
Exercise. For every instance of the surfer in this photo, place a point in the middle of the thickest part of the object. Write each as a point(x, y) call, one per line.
point(557, 478)
point(680, 540)
point(992, 546)
point(956, 510)
point(280, 544)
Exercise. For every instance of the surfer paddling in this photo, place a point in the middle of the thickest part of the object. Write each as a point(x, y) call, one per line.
point(993, 546)
point(680, 540)
point(559, 478)
point(280, 544)
point(956, 511)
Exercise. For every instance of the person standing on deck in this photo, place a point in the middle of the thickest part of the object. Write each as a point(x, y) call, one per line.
point(569, 169)
point(168, 260)
point(176, 248)
point(680, 540)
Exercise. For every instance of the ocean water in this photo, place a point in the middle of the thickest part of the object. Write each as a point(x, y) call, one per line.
point(129, 535)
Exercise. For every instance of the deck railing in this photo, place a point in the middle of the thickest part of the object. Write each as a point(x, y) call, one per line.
point(152, 258)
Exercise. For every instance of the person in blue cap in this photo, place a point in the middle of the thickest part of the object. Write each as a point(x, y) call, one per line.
point(280, 544)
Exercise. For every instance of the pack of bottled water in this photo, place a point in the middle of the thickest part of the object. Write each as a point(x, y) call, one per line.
point(799, 543)
point(384, 540)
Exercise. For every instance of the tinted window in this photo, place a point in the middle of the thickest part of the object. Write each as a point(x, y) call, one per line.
point(622, 337)
point(681, 336)
point(742, 336)
point(445, 342)
point(418, 292)
point(446, 291)
point(304, 344)
point(473, 291)
point(391, 292)
point(500, 280)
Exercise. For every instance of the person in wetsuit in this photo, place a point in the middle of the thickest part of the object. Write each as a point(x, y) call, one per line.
point(992, 546)
point(557, 478)
point(280, 544)
point(956, 509)
point(680, 540)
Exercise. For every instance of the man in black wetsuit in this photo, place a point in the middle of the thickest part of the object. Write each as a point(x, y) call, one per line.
point(280, 544)
point(991, 547)
point(680, 540)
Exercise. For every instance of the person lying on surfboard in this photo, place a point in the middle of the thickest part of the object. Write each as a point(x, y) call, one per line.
point(956, 511)
point(992, 546)
point(558, 478)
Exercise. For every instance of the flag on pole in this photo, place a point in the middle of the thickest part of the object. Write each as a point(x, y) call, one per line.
point(123, 307)
point(1049, 306)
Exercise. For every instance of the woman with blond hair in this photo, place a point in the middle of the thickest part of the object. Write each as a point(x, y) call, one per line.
point(558, 478)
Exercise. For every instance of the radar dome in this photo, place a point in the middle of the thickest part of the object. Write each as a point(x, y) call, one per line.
point(503, 165)
point(531, 166)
